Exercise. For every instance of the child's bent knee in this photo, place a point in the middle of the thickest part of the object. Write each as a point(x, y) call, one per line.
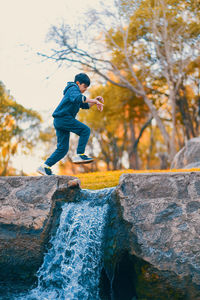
point(87, 130)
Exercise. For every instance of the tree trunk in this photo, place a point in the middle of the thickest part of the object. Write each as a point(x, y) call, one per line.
point(133, 154)
point(173, 136)
point(150, 149)
point(186, 118)
point(158, 120)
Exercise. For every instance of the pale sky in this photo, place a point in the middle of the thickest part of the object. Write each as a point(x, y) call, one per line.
point(23, 28)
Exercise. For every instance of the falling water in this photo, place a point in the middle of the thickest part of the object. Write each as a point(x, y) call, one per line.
point(71, 268)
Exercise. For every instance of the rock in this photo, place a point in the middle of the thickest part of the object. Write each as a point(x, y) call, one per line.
point(151, 242)
point(161, 213)
point(188, 156)
point(74, 183)
point(192, 165)
point(29, 212)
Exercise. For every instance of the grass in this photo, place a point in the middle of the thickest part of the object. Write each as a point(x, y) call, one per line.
point(100, 180)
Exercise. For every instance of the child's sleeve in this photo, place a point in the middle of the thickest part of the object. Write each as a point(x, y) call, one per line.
point(74, 95)
point(85, 105)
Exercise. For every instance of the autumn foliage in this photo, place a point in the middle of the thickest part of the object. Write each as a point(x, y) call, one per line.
point(147, 67)
point(19, 130)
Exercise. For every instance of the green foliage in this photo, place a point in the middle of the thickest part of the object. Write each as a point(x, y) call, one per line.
point(19, 129)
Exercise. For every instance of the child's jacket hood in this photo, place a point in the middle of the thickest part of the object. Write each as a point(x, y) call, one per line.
point(69, 84)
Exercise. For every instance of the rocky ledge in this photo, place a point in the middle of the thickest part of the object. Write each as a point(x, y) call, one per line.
point(161, 215)
point(151, 243)
point(29, 212)
point(189, 156)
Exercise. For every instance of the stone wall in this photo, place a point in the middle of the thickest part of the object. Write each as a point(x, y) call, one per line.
point(161, 212)
point(29, 211)
point(152, 231)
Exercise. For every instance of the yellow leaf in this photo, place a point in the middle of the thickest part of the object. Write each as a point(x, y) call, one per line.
point(4, 151)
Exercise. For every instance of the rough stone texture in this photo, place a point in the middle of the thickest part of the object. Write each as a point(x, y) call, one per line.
point(163, 224)
point(189, 156)
point(28, 208)
point(152, 228)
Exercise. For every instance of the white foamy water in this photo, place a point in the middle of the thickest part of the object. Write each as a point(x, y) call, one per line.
point(71, 268)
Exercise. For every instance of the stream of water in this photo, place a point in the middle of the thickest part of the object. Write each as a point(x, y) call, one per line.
point(72, 266)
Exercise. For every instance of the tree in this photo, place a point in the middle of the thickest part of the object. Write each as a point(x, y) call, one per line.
point(175, 34)
point(188, 100)
point(118, 128)
point(148, 41)
point(19, 129)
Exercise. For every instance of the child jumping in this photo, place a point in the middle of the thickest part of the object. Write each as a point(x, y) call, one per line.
point(65, 122)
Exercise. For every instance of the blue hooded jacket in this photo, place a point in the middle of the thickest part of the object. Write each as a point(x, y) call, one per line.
point(72, 101)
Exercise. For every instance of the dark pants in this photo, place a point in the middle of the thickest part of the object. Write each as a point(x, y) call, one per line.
point(63, 128)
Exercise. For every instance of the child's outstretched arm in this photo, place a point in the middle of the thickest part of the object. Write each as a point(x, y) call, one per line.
point(98, 101)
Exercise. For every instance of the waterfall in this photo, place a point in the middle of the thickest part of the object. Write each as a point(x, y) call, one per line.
point(72, 266)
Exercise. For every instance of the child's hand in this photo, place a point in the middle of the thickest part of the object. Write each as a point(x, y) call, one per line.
point(99, 105)
point(99, 98)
